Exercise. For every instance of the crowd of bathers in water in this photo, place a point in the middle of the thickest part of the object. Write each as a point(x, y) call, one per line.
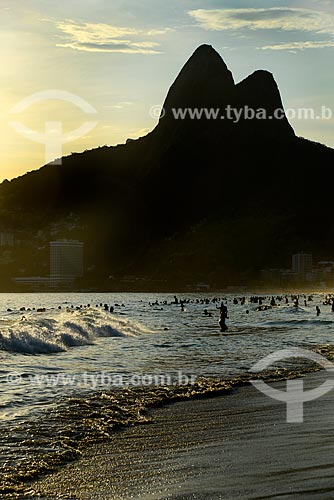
point(263, 303)
point(69, 308)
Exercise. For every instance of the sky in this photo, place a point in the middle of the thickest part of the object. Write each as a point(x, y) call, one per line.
point(95, 71)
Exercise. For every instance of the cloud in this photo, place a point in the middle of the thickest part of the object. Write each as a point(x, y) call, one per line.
point(299, 45)
point(159, 32)
point(135, 133)
point(122, 104)
point(99, 37)
point(93, 32)
point(125, 48)
point(278, 18)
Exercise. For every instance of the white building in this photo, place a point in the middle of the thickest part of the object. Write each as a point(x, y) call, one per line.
point(6, 239)
point(66, 261)
point(302, 263)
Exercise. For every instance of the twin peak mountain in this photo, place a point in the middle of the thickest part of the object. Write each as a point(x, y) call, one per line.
point(194, 200)
point(205, 82)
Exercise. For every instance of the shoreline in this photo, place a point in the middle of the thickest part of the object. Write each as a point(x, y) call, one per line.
point(172, 290)
point(232, 446)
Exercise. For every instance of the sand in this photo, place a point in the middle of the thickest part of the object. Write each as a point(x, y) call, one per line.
point(237, 446)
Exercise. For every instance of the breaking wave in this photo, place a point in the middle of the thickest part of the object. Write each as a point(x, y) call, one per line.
point(52, 332)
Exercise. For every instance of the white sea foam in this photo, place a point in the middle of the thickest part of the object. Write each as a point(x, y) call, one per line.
point(52, 332)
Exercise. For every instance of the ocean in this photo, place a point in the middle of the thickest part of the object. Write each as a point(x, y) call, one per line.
point(73, 373)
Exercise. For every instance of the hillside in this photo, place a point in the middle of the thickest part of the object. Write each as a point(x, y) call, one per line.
point(194, 200)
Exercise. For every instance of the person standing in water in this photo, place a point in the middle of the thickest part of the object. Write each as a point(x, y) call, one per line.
point(223, 317)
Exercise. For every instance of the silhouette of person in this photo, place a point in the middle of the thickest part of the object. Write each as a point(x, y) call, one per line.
point(223, 317)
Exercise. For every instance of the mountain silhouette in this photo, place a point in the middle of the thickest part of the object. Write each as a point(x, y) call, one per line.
point(204, 81)
point(210, 200)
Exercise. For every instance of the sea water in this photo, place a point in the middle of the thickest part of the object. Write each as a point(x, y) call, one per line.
point(72, 374)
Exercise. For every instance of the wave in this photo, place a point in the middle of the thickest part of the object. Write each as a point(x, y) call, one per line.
point(43, 334)
point(297, 322)
point(77, 423)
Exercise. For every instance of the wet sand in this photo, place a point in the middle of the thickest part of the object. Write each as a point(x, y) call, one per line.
point(237, 446)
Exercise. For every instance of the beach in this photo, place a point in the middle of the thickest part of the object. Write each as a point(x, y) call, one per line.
point(167, 280)
point(96, 399)
point(236, 446)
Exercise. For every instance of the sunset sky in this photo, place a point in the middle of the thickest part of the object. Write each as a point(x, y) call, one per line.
point(121, 56)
